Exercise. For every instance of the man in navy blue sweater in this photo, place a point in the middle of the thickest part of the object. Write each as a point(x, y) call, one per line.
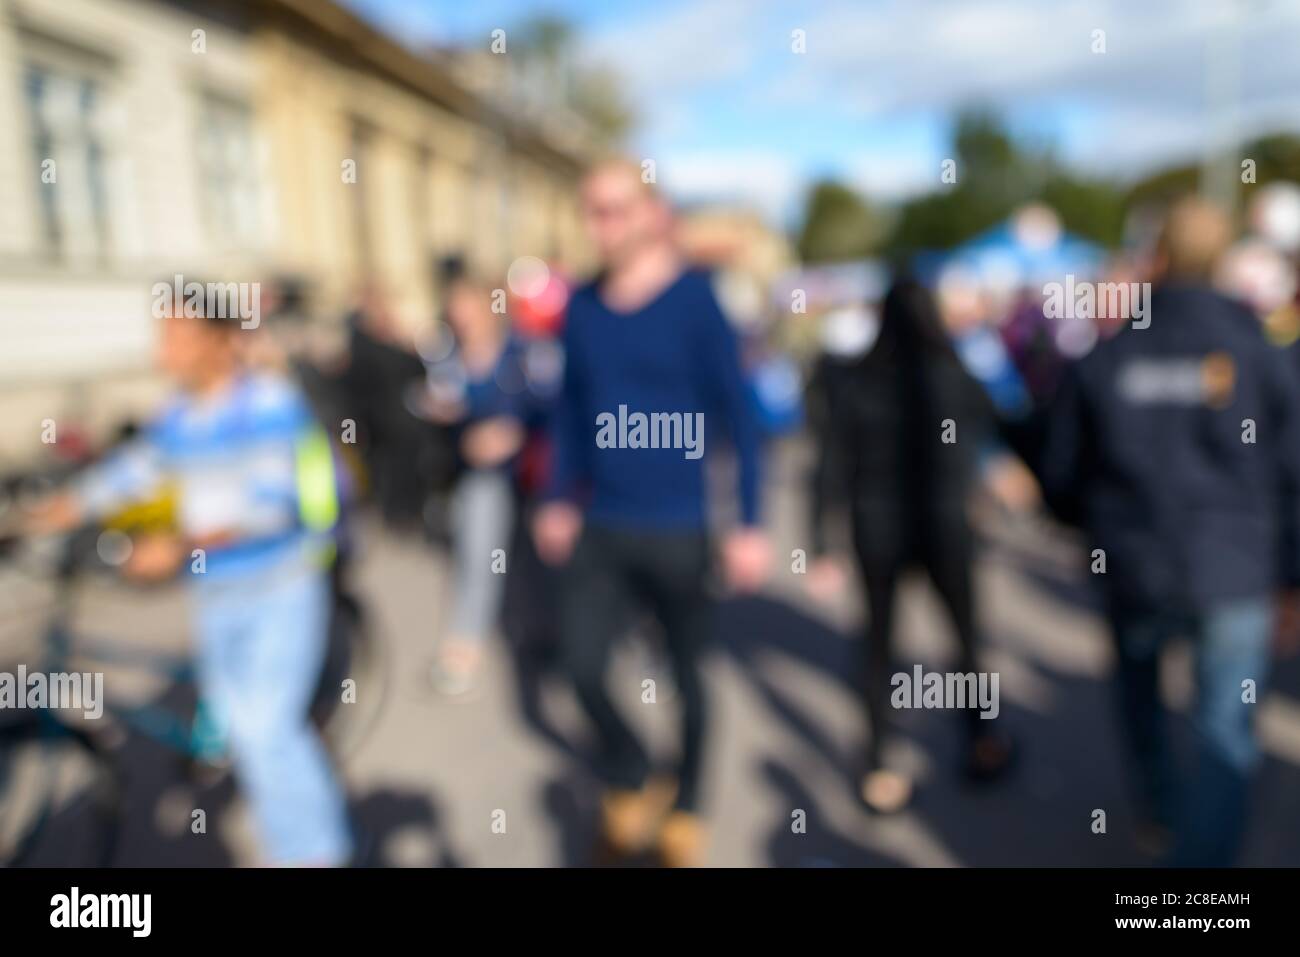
point(652, 380)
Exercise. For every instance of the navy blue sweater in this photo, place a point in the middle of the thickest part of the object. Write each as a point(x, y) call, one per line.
point(671, 366)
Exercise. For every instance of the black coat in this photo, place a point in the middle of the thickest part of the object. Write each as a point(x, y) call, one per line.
point(880, 424)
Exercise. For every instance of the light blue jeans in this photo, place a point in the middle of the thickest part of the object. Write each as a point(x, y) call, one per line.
point(1207, 807)
point(261, 646)
point(483, 508)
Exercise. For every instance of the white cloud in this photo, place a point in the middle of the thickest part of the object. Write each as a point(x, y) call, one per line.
point(897, 57)
point(689, 46)
point(894, 174)
point(871, 64)
point(1140, 103)
point(764, 181)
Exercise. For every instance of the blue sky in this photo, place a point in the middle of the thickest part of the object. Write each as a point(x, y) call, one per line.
point(730, 112)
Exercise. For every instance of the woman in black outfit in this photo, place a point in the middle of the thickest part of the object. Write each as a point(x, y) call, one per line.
point(883, 423)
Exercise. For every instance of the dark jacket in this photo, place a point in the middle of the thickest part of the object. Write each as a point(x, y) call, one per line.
point(1148, 450)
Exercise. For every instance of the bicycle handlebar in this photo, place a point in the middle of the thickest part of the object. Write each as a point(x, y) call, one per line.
point(73, 552)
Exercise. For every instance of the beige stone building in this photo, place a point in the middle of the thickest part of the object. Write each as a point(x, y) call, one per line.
point(735, 238)
point(240, 140)
point(437, 169)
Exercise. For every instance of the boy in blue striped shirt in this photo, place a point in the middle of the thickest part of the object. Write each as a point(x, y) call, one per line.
point(255, 503)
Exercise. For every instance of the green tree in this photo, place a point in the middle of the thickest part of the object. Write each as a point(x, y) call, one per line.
point(1093, 209)
point(838, 225)
point(1276, 157)
point(995, 175)
point(593, 92)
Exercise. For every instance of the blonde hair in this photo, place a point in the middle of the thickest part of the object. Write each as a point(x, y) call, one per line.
point(623, 165)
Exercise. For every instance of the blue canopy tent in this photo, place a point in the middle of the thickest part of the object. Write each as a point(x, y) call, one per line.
point(1017, 253)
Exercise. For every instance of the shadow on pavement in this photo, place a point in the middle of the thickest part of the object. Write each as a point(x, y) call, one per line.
point(160, 797)
point(1071, 761)
point(401, 829)
point(816, 845)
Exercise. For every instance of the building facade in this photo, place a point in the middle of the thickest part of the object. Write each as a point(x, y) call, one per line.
point(239, 140)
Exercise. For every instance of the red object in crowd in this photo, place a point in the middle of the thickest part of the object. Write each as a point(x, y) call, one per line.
point(542, 315)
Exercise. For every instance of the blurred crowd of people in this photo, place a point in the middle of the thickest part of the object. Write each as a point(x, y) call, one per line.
point(1167, 431)
point(1174, 446)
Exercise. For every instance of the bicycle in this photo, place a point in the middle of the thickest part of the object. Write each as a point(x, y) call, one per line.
point(37, 745)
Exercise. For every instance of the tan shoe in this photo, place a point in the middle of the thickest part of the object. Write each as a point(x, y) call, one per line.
point(682, 840)
point(622, 820)
point(629, 819)
point(886, 792)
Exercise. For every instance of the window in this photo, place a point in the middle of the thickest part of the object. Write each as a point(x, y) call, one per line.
point(228, 161)
point(66, 111)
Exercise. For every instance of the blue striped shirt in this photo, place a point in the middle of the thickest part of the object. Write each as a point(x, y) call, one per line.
point(232, 460)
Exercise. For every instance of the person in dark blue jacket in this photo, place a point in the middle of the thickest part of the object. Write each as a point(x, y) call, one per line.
point(1177, 447)
point(652, 379)
point(486, 390)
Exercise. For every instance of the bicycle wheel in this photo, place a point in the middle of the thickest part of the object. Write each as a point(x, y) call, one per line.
point(354, 681)
point(50, 773)
point(26, 785)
